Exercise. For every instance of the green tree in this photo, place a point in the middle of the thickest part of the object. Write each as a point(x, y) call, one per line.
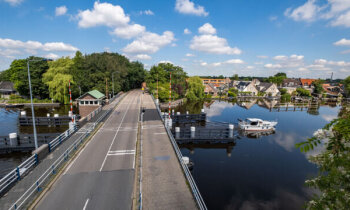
point(346, 84)
point(235, 77)
point(57, 78)
point(195, 89)
point(334, 164)
point(318, 86)
point(232, 92)
point(277, 78)
point(303, 92)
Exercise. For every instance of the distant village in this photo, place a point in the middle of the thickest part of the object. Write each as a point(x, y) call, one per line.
point(255, 87)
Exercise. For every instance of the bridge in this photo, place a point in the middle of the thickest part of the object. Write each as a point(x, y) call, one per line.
point(128, 159)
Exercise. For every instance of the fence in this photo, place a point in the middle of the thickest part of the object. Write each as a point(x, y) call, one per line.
point(197, 195)
point(30, 163)
point(44, 121)
point(27, 140)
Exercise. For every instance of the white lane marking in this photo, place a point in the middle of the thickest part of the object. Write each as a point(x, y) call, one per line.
point(86, 203)
point(70, 165)
point(159, 133)
point(116, 154)
point(110, 146)
point(121, 151)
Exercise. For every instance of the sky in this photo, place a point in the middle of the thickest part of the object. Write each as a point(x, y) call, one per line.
point(303, 38)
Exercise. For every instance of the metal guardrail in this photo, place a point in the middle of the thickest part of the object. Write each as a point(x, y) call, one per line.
point(140, 180)
point(36, 186)
point(192, 183)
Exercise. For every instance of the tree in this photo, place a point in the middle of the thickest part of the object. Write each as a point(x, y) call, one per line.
point(277, 78)
point(195, 89)
point(334, 164)
point(303, 92)
point(235, 77)
point(232, 92)
point(346, 84)
point(318, 86)
point(58, 77)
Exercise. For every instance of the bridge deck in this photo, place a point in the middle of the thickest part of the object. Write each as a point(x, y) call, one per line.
point(164, 184)
point(102, 175)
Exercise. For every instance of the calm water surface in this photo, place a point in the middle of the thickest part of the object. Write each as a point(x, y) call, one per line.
point(9, 124)
point(264, 173)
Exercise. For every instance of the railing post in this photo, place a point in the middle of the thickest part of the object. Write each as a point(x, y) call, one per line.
point(49, 147)
point(18, 174)
point(60, 139)
point(53, 169)
point(38, 187)
point(36, 159)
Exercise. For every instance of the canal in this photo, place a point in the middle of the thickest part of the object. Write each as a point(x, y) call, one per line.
point(256, 173)
point(9, 124)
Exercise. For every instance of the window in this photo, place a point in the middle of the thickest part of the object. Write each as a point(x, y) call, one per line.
point(81, 102)
point(86, 102)
point(96, 102)
point(91, 102)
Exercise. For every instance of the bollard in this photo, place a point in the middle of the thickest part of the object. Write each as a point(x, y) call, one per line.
point(23, 113)
point(177, 132)
point(70, 113)
point(187, 113)
point(48, 115)
point(177, 113)
point(13, 139)
point(202, 110)
point(230, 127)
point(56, 115)
point(157, 101)
point(193, 132)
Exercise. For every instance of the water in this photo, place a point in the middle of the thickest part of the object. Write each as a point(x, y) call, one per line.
point(263, 173)
point(9, 124)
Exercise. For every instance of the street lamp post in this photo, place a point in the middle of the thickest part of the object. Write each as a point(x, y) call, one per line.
point(31, 101)
point(113, 82)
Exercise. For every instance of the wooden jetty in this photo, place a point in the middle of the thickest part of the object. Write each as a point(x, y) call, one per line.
point(285, 107)
point(210, 135)
point(25, 142)
point(44, 121)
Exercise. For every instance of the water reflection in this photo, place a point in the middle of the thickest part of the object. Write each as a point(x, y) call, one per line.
point(264, 173)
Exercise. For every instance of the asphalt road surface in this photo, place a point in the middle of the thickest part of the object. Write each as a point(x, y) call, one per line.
point(102, 175)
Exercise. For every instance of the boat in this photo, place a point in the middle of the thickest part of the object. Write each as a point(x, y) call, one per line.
point(188, 162)
point(255, 124)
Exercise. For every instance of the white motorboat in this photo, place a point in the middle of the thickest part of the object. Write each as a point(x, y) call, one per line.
point(255, 124)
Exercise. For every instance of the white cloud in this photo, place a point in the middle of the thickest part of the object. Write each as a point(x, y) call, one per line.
point(210, 43)
point(149, 43)
point(228, 62)
point(51, 56)
point(190, 55)
point(337, 11)
point(345, 52)
point(342, 42)
point(234, 61)
point(306, 12)
point(165, 62)
point(187, 31)
point(35, 45)
point(188, 7)
point(280, 57)
point(207, 28)
point(129, 31)
point(262, 56)
point(204, 63)
point(142, 57)
point(103, 14)
point(273, 66)
point(147, 12)
point(250, 67)
point(14, 2)
point(62, 10)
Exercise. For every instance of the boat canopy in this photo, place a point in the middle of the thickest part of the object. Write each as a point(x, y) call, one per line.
point(254, 120)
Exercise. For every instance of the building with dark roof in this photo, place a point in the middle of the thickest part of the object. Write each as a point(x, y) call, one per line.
point(6, 89)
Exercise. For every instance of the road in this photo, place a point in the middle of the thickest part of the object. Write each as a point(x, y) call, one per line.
point(102, 175)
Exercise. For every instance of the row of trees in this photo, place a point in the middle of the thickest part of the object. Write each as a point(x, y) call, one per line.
point(181, 85)
point(86, 72)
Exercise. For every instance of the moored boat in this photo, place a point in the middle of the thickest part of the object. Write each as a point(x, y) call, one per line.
point(255, 124)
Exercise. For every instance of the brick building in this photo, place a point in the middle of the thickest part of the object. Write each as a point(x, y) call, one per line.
point(89, 102)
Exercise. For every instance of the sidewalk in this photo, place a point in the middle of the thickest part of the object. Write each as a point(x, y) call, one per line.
point(20, 187)
point(163, 181)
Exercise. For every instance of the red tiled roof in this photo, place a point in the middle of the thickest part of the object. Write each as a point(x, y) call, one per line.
point(308, 81)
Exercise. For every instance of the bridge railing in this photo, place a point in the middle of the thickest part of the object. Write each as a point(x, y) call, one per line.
point(197, 195)
point(37, 185)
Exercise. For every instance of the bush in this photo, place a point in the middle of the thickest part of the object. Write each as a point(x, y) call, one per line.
point(303, 92)
point(14, 97)
point(283, 91)
point(285, 97)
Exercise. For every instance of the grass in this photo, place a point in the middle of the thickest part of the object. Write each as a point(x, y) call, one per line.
point(25, 101)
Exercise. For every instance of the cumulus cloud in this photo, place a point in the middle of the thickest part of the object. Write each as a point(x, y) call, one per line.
point(207, 28)
point(190, 55)
point(149, 43)
point(342, 42)
point(35, 45)
point(188, 7)
point(62, 10)
point(337, 11)
point(262, 56)
point(129, 31)
point(228, 62)
point(14, 2)
point(187, 31)
point(211, 43)
point(147, 12)
point(103, 14)
point(52, 56)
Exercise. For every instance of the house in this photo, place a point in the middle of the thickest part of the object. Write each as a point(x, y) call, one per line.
point(332, 91)
point(247, 104)
point(248, 87)
point(307, 83)
point(210, 89)
point(90, 101)
point(6, 89)
point(291, 82)
point(269, 89)
point(216, 82)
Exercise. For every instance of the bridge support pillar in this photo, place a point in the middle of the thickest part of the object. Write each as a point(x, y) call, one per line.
point(177, 132)
point(13, 139)
point(230, 127)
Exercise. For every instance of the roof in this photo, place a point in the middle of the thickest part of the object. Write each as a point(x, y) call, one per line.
point(94, 93)
point(6, 86)
point(264, 86)
point(243, 83)
point(308, 81)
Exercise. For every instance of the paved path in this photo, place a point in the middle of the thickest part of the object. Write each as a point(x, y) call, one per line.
point(20, 187)
point(164, 184)
point(102, 175)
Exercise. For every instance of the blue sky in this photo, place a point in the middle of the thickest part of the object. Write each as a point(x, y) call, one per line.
point(304, 38)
